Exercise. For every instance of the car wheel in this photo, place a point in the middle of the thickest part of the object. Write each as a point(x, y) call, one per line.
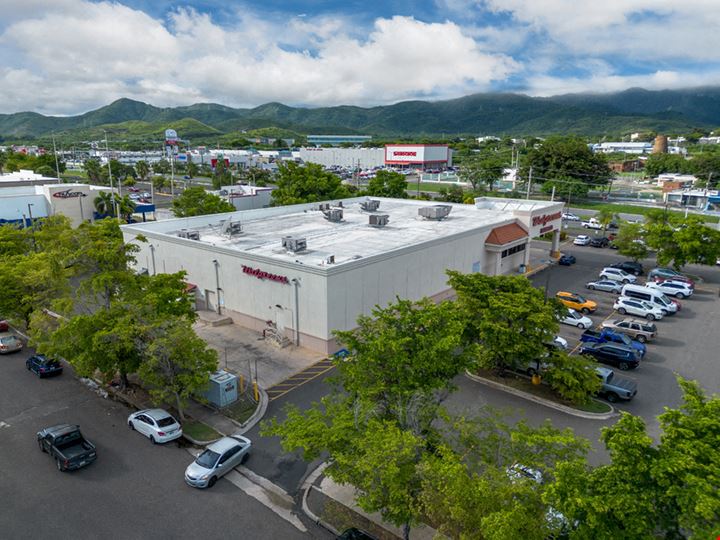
point(591, 287)
point(59, 466)
point(42, 448)
point(152, 440)
point(641, 339)
point(244, 458)
point(624, 366)
point(622, 311)
point(212, 481)
point(650, 317)
point(680, 296)
point(131, 425)
point(626, 281)
point(585, 311)
point(612, 397)
point(581, 326)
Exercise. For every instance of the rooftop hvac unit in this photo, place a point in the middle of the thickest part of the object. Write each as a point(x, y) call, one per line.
point(294, 244)
point(231, 228)
point(334, 214)
point(324, 207)
point(370, 205)
point(190, 235)
point(379, 220)
point(435, 212)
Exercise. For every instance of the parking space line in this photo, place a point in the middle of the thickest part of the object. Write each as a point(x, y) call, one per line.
point(308, 374)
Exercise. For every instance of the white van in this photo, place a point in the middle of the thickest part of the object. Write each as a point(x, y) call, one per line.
point(653, 296)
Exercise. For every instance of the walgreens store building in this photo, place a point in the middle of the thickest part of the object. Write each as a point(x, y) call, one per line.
point(419, 156)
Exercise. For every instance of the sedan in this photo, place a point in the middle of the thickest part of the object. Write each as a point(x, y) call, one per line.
point(581, 240)
point(641, 308)
point(677, 289)
point(218, 459)
point(607, 285)
point(566, 260)
point(567, 216)
point(573, 318)
point(43, 366)
point(156, 424)
point(9, 343)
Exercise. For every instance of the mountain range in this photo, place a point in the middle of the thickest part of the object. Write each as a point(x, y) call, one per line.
point(667, 111)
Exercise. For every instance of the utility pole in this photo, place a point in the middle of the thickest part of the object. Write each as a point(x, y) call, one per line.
point(112, 192)
point(57, 165)
point(529, 183)
point(552, 196)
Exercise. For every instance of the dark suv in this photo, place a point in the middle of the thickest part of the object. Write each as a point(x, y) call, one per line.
point(621, 356)
point(599, 242)
point(630, 267)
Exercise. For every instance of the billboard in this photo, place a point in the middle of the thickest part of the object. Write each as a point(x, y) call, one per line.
point(416, 153)
point(171, 136)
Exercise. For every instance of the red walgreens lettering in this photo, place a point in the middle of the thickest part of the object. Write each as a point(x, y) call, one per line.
point(544, 220)
point(261, 274)
point(405, 153)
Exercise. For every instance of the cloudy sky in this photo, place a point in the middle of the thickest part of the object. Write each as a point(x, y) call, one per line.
point(69, 56)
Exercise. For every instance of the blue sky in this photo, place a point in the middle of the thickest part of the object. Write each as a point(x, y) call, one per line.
point(70, 56)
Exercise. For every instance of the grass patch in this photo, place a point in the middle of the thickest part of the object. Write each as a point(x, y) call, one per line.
point(200, 431)
point(632, 209)
point(241, 410)
point(521, 382)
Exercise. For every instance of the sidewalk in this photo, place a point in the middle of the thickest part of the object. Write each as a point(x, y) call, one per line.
point(333, 506)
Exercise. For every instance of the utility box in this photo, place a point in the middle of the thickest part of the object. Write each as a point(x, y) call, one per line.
point(223, 389)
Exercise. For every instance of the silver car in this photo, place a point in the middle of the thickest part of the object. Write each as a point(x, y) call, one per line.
point(607, 285)
point(218, 459)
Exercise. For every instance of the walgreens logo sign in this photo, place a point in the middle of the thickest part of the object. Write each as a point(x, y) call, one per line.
point(261, 274)
point(547, 218)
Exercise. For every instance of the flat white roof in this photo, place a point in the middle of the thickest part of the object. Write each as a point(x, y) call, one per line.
point(349, 240)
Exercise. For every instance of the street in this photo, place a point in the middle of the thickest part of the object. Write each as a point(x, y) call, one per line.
point(133, 490)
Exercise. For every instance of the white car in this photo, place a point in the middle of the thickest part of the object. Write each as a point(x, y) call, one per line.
point(156, 424)
point(581, 240)
point(616, 274)
point(573, 318)
point(677, 289)
point(570, 217)
point(560, 342)
point(634, 306)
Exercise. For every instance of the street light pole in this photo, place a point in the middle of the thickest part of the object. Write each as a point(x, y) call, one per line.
point(112, 191)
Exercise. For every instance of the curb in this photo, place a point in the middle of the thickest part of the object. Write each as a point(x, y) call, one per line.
point(197, 442)
point(258, 415)
point(308, 484)
point(535, 270)
point(542, 401)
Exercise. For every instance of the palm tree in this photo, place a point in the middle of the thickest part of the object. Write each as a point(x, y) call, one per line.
point(192, 169)
point(606, 216)
point(142, 169)
point(104, 204)
point(93, 169)
point(126, 207)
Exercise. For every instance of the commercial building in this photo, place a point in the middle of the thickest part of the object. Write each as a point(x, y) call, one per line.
point(22, 204)
point(244, 197)
point(699, 199)
point(313, 268)
point(423, 156)
point(337, 139)
point(349, 158)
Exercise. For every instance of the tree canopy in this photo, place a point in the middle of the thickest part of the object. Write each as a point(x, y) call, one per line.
point(195, 201)
point(298, 184)
point(388, 184)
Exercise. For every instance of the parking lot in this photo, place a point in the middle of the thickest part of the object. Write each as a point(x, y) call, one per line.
point(686, 345)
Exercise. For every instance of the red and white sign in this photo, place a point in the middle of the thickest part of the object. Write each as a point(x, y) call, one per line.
point(545, 219)
point(261, 274)
point(436, 154)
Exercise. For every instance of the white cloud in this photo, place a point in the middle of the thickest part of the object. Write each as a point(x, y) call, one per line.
point(90, 53)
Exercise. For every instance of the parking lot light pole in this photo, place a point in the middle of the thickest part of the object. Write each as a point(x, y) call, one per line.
point(550, 263)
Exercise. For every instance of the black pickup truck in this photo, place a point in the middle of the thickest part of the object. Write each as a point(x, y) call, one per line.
point(67, 446)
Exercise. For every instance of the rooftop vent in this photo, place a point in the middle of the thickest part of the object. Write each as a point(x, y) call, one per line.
point(231, 228)
point(324, 207)
point(334, 214)
point(294, 244)
point(435, 212)
point(190, 235)
point(370, 205)
point(330, 259)
point(378, 220)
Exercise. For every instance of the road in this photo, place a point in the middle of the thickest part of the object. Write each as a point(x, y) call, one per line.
point(133, 490)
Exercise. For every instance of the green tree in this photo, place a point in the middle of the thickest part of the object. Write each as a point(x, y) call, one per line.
point(178, 363)
point(606, 215)
point(255, 176)
point(668, 490)
point(161, 167)
point(565, 158)
point(454, 194)
point(195, 201)
point(680, 241)
point(484, 168)
point(191, 169)
point(298, 184)
point(572, 377)
point(566, 188)
point(94, 170)
point(142, 170)
point(388, 184)
point(221, 176)
point(630, 243)
point(667, 163)
point(508, 319)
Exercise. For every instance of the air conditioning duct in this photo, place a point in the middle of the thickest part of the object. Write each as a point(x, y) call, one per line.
point(378, 220)
point(294, 244)
point(435, 212)
point(370, 205)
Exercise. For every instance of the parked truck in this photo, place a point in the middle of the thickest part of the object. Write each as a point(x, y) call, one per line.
point(615, 387)
point(66, 446)
point(606, 335)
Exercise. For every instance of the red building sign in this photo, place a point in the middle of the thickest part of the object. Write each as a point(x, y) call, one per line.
point(261, 274)
point(544, 220)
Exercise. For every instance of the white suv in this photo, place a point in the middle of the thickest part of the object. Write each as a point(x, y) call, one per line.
point(634, 306)
point(672, 288)
point(617, 275)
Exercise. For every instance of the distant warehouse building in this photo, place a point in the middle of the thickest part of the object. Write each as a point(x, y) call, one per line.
point(313, 268)
point(337, 139)
point(400, 156)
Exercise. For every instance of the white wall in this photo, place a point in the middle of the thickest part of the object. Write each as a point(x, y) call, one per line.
point(344, 157)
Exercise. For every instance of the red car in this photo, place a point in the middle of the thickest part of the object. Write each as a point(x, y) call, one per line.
point(4, 326)
point(678, 279)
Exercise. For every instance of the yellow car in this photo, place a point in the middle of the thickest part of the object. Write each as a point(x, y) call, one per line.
point(576, 302)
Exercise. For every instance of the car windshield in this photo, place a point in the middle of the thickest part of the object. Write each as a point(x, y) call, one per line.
point(165, 422)
point(8, 340)
point(573, 314)
point(207, 459)
point(624, 339)
point(580, 299)
point(664, 299)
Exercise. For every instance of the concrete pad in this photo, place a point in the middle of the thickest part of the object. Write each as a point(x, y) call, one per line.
point(243, 352)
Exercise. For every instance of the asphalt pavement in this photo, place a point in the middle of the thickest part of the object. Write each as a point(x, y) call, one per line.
point(133, 490)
